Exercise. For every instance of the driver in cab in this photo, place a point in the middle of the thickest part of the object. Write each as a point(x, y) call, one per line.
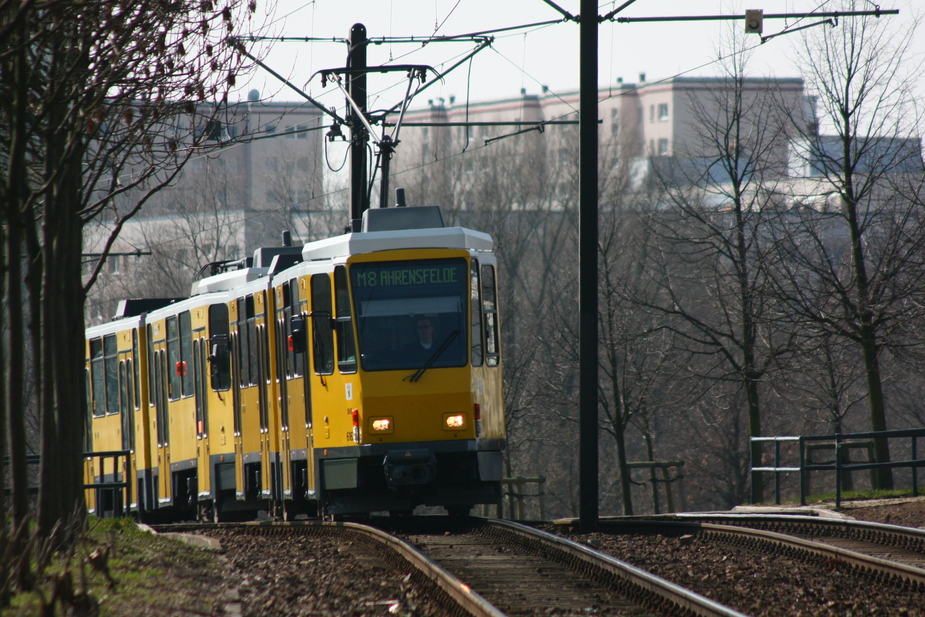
point(421, 349)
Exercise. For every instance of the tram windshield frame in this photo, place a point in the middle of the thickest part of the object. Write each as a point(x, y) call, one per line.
point(393, 299)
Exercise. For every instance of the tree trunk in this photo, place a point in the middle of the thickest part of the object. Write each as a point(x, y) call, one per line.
point(13, 415)
point(884, 475)
point(867, 329)
point(625, 480)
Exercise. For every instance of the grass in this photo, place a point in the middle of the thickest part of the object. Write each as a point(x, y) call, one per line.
point(829, 498)
point(117, 569)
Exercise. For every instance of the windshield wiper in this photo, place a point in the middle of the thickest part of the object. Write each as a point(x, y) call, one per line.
point(433, 358)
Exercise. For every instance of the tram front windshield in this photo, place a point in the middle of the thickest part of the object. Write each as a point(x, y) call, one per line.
point(411, 313)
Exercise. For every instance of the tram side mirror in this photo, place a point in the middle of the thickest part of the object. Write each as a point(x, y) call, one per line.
point(297, 338)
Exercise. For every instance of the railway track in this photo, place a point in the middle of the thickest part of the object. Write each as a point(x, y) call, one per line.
point(467, 566)
point(887, 550)
point(524, 571)
point(487, 568)
point(903, 545)
point(756, 563)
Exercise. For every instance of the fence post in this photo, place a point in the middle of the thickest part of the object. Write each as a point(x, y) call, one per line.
point(915, 469)
point(837, 470)
point(751, 457)
point(803, 471)
point(777, 472)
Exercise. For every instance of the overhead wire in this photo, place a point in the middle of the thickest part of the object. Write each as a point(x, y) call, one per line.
point(466, 149)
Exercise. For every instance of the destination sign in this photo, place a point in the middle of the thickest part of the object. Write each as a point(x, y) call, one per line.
point(426, 274)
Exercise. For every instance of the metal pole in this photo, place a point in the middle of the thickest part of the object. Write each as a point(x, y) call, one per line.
point(587, 277)
point(385, 151)
point(837, 470)
point(356, 87)
point(777, 472)
point(803, 472)
point(915, 469)
point(751, 458)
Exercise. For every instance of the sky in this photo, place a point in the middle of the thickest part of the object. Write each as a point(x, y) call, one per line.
point(529, 59)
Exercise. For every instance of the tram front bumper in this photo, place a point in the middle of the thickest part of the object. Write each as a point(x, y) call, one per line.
point(409, 467)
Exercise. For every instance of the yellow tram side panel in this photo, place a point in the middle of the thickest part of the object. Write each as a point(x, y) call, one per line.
point(488, 381)
point(297, 435)
point(334, 396)
point(106, 429)
point(254, 443)
point(145, 455)
point(486, 385)
point(216, 434)
point(273, 434)
point(249, 437)
point(181, 408)
point(220, 407)
point(160, 461)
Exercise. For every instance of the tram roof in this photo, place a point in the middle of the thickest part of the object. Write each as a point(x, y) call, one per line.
point(374, 241)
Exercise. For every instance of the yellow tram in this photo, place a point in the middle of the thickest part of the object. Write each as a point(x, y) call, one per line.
point(356, 374)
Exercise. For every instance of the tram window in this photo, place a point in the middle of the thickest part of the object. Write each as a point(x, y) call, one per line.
point(203, 388)
point(252, 359)
point(198, 383)
point(173, 359)
point(322, 333)
point(346, 346)
point(123, 389)
point(151, 381)
point(111, 353)
point(239, 344)
point(475, 310)
point(88, 428)
point(186, 355)
point(283, 354)
point(136, 377)
point(298, 359)
point(295, 356)
point(125, 402)
point(490, 307)
point(98, 376)
point(131, 387)
point(219, 357)
point(412, 313)
point(253, 353)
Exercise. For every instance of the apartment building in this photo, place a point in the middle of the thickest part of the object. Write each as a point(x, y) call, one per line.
point(673, 119)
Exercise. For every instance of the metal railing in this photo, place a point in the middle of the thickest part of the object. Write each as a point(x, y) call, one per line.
point(667, 479)
point(839, 443)
point(120, 491)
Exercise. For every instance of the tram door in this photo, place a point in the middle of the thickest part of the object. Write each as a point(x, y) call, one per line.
point(128, 402)
point(280, 345)
point(253, 434)
point(162, 422)
point(201, 393)
point(237, 330)
point(295, 399)
point(264, 384)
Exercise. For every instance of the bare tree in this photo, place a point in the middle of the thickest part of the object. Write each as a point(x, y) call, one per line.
point(853, 251)
point(88, 95)
point(713, 266)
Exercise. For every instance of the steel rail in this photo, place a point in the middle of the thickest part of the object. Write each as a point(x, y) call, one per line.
point(612, 568)
point(883, 534)
point(908, 573)
point(468, 600)
point(786, 540)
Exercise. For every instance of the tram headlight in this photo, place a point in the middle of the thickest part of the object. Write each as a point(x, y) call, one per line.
point(381, 424)
point(454, 421)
